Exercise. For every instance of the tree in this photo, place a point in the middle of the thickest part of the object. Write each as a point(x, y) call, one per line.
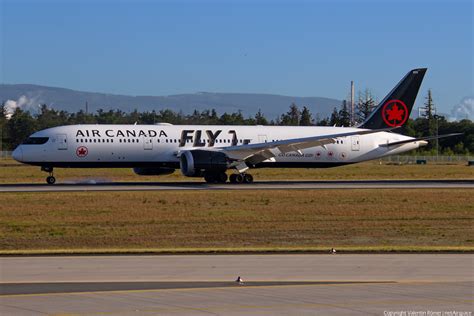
point(344, 115)
point(260, 118)
point(430, 119)
point(82, 117)
point(48, 117)
point(292, 117)
point(335, 120)
point(20, 126)
point(306, 117)
point(4, 141)
point(365, 105)
point(429, 113)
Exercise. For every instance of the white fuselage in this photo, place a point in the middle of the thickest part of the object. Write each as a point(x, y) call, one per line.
point(161, 145)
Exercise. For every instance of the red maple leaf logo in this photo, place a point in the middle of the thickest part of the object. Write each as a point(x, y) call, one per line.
point(81, 151)
point(395, 113)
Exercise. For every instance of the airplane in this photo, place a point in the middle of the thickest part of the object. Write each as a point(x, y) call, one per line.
point(208, 151)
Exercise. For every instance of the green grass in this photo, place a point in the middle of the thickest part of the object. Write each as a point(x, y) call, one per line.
point(247, 250)
point(186, 221)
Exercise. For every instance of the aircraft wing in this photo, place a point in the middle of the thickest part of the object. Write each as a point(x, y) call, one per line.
point(255, 153)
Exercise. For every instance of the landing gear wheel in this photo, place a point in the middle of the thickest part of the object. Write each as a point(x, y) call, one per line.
point(50, 180)
point(215, 177)
point(248, 178)
point(239, 178)
point(209, 177)
point(221, 177)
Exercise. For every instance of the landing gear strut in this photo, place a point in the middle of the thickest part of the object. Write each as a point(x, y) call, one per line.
point(50, 179)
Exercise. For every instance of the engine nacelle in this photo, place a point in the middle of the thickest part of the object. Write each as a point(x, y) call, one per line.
point(153, 171)
point(194, 162)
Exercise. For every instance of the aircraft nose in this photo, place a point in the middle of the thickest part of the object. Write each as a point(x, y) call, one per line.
point(17, 154)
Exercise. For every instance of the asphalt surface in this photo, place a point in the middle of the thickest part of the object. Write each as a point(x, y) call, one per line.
point(75, 287)
point(303, 284)
point(260, 185)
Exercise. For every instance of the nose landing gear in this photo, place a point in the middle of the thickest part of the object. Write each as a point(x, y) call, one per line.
point(49, 179)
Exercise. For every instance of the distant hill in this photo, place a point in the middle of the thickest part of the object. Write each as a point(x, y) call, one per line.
point(30, 96)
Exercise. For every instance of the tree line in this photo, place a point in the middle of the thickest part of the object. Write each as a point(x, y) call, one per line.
point(17, 126)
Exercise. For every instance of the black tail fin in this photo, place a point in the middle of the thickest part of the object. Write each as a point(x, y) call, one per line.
point(396, 107)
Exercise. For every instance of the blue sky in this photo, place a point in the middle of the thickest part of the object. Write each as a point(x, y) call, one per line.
point(301, 48)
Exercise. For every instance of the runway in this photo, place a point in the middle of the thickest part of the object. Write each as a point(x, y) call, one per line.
point(204, 284)
point(260, 185)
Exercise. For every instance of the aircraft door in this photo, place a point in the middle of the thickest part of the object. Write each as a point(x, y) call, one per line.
point(355, 143)
point(61, 141)
point(147, 143)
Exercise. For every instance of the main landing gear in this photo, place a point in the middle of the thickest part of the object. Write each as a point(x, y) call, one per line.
point(221, 177)
point(49, 179)
point(215, 177)
point(241, 178)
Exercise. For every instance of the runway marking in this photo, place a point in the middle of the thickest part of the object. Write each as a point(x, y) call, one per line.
point(231, 286)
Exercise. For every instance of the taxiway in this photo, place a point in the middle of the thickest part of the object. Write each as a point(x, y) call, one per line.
point(204, 284)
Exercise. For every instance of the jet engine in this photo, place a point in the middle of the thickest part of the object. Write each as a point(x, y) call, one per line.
point(194, 163)
point(153, 171)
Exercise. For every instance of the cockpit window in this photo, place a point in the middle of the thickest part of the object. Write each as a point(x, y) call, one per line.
point(35, 141)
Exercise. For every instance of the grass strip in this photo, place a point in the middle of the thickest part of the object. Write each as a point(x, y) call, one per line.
point(247, 250)
point(271, 220)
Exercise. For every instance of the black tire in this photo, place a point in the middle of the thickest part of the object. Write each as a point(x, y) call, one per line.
point(239, 178)
point(232, 178)
point(210, 178)
point(50, 180)
point(248, 178)
point(222, 177)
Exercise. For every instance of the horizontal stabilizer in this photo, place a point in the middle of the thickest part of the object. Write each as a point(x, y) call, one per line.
point(419, 139)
